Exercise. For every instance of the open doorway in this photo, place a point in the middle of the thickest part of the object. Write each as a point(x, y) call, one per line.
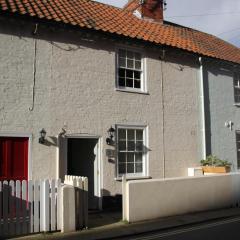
point(83, 160)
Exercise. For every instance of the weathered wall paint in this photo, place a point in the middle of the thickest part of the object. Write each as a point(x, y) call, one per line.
point(75, 89)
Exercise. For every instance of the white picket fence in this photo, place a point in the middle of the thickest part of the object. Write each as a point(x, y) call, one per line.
point(29, 206)
point(81, 199)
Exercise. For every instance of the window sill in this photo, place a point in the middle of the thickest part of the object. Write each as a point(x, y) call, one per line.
point(236, 104)
point(131, 91)
point(133, 178)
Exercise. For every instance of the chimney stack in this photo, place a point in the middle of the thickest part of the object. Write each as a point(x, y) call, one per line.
point(153, 9)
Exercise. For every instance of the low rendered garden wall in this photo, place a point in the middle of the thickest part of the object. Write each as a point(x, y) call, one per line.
point(155, 198)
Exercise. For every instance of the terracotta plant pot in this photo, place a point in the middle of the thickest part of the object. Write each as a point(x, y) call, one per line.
point(212, 169)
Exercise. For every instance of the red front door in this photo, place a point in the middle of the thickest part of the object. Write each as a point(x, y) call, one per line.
point(13, 158)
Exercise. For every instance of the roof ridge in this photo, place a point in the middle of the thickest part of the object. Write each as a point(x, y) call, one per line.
point(91, 14)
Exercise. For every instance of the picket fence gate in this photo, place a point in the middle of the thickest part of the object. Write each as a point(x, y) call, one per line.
point(81, 199)
point(29, 206)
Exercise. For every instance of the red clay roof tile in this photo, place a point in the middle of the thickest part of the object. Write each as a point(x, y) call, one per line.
point(102, 17)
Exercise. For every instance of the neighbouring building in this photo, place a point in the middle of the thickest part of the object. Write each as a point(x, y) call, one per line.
point(82, 72)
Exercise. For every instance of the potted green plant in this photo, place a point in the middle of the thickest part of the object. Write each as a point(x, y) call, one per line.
point(213, 164)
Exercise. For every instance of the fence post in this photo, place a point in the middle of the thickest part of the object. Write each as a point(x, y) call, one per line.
point(44, 206)
point(85, 202)
point(124, 197)
point(68, 217)
point(59, 205)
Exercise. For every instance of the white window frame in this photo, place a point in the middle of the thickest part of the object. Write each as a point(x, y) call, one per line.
point(236, 78)
point(145, 172)
point(143, 78)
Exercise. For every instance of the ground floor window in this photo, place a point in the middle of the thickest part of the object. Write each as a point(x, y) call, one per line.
point(131, 151)
point(13, 158)
point(238, 148)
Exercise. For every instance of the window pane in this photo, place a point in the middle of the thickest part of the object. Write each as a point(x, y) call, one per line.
point(122, 146)
point(139, 168)
point(237, 98)
point(121, 134)
point(122, 62)
point(137, 84)
point(122, 168)
point(138, 65)
point(121, 72)
point(237, 95)
point(139, 146)
point(122, 53)
point(129, 73)
point(138, 157)
point(238, 148)
point(237, 91)
point(122, 157)
point(137, 75)
point(121, 82)
point(130, 134)
point(131, 146)
point(130, 54)
point(139, 134)
point(130, 63)
point(129, 82)
point(238, 136)
point(236, 80)
point(130, 168)
point(130, 157)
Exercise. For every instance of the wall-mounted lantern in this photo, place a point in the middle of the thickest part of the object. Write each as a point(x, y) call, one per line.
point(41, 139)
point(109, 139)
point(229, 124)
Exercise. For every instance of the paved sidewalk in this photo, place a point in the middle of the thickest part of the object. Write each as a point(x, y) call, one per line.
point(117, 229)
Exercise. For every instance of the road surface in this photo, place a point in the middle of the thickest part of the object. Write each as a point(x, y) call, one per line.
point(227, 229)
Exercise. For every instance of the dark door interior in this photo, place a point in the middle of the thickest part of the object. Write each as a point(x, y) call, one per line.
point(81, 158)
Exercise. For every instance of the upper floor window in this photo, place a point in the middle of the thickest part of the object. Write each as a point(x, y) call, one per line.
point(237, 87)
point(130, 70)
point(238, 148)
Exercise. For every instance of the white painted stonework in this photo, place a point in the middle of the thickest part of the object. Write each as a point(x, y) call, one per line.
point(149, 199)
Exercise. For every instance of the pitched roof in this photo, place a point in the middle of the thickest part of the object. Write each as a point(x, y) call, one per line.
point(94, 15)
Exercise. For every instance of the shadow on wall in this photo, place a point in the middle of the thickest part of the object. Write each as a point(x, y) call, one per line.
point(73, 41)
point(14, 213)
point(207, 113)
point(53, 141)
point(111, 202)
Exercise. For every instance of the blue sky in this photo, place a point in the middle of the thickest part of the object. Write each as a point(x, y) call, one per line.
point(218, 17)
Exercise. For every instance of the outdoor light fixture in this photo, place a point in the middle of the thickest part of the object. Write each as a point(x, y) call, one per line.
point(41, 139)
point(109, 139)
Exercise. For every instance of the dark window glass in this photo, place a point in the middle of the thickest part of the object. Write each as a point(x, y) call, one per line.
point(137, 84)
point(129, 82)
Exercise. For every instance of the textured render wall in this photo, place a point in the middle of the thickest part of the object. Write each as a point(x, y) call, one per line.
point(221, 109)
point(75, 87)
point(181, 115)
point(178, 196)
